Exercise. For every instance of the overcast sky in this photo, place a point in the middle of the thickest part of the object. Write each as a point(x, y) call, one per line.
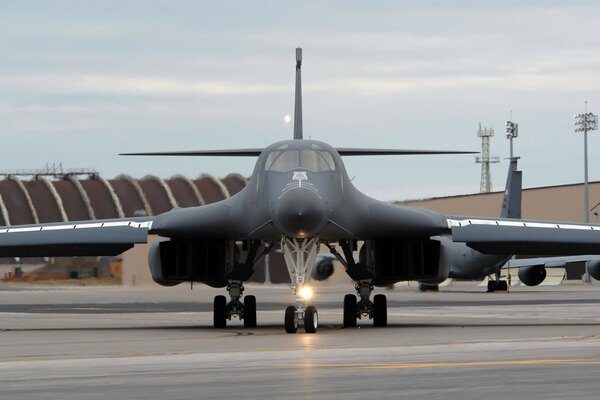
point(81, 81)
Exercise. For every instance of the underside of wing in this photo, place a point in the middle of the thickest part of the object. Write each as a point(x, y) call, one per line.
point(550, 262)
point(214, 153)
point(526, 237)
point(86, 238)
point(343, 151)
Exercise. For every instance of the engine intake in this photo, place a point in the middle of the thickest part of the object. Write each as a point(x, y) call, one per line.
point(323, 268)
point(533, 275)
point(392, 261)
point(593, 268)
point(173, 261)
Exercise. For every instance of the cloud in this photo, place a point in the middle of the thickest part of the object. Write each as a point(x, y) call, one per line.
point(541, 76)
point(131, 85)
point(43, 108)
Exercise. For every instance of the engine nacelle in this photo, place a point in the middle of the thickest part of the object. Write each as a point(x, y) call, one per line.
point(174, 261)
point(155, 265)
point(392, 261)
point(323, 268)
point(593, 268)
point(533, 275)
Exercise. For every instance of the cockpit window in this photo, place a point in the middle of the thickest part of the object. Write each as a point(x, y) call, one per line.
point(282, 161)
point(313, 160)
point(328, 160)
point(316, 161)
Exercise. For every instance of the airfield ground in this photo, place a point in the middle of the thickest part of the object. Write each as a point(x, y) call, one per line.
point(158, 343)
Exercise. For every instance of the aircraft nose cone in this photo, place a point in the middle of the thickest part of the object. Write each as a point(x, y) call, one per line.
point(300, 213)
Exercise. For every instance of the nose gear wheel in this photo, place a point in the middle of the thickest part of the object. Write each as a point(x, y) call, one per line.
point(300, 256)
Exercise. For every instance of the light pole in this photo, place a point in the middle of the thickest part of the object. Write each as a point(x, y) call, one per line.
point(584, 123)
point(512, 131)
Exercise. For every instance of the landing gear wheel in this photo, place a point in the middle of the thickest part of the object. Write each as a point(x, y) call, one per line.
point(291, 320)
point(220, 312)
point(349, 311)
point(497, 286)
point(311, 319)
point(428, 288)
point(250, 312)
point(380, 310)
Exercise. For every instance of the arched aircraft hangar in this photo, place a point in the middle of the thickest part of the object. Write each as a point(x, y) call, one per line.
point(72, 197)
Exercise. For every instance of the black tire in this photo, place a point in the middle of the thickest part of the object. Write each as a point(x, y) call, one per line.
point(380, 310)
point(491, 286)
point(423, 287)
point(502, 285)
point(220, 312)
point(311, 319)
point(250, 311)
point(291, 322)
point(350, 311)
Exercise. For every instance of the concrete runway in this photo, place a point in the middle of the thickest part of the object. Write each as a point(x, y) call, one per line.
point(132, 343)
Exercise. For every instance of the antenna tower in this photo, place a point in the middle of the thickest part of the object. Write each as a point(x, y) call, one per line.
point(485, 159)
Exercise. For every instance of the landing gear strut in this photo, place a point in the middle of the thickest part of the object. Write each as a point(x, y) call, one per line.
point(300, 255)
point(376, 309)
point(497, 285)
point(224, 311)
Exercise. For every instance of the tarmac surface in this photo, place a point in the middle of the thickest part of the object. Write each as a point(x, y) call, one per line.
point(149, 343)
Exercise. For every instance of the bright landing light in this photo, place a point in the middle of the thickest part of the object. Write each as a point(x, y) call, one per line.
point(306, 292)
point(287, 118)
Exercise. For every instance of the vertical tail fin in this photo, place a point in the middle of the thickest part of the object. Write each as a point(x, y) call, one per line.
point(511, 204)
point(298, 101)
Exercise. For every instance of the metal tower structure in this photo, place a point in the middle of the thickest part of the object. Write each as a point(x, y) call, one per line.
point(485, 159)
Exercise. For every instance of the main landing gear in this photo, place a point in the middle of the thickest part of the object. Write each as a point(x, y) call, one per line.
point(224, 311)
point(353, 310)
point(300, 255)
point(376, 309)
point(497, 285)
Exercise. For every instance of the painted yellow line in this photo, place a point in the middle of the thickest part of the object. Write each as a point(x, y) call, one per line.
point(447, 364)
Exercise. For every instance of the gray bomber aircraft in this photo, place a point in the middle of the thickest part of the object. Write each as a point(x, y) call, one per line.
point(298, 198)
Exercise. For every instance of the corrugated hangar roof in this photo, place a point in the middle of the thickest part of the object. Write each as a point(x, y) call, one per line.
point(70, 198)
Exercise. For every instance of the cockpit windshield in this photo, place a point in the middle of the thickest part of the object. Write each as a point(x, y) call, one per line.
point(312, 160)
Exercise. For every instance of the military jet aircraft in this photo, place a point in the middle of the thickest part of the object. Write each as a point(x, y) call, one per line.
point(298, 198)
point(469, 264)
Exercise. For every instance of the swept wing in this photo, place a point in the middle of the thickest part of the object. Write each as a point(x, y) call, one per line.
point(85, 238)
point(503, 236)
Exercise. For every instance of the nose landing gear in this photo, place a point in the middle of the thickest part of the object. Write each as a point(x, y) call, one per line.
point(300, 255)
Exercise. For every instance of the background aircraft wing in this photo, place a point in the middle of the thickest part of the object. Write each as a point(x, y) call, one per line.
point(85, 238)
point(502, 236)
point(549, 262)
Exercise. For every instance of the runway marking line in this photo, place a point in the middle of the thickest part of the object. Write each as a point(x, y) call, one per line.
point(446, 364)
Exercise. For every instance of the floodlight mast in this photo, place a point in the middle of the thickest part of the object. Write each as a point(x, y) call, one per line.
point(584, 123)
point(512, 131)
